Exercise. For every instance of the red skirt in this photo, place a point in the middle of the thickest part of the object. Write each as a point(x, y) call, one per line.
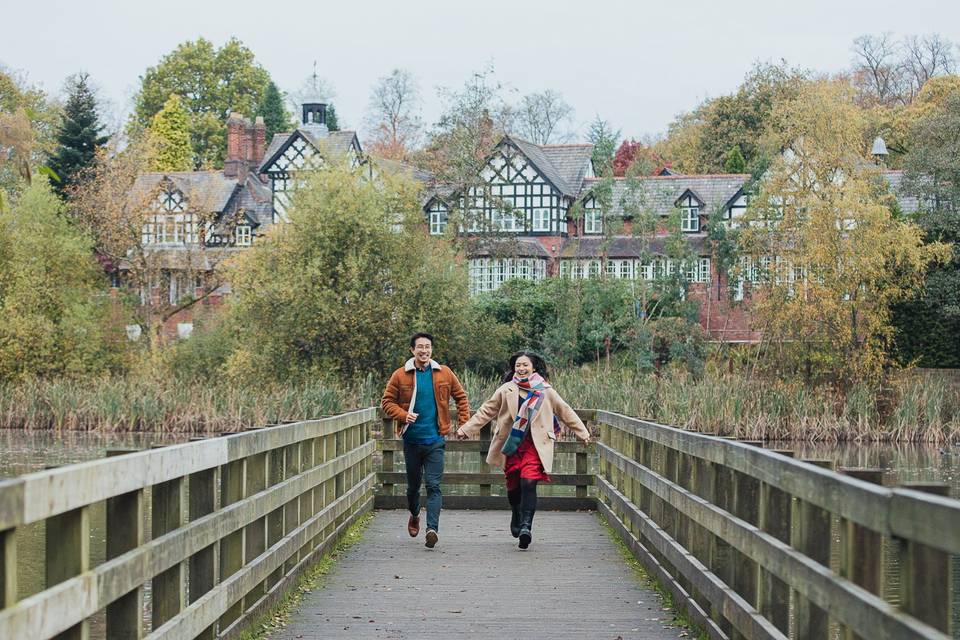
point(524, 463)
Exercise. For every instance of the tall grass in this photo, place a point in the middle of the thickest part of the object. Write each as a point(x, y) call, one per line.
point(916, 406)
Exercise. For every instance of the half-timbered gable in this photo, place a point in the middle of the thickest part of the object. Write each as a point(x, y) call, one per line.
point(292, 156)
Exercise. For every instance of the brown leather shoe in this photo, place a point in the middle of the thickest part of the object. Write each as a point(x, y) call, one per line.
point(413, 526)
point(432, 538)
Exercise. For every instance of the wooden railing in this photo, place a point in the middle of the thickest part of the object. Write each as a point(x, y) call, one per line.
point(755, 544)
point(234, 520)
point(487, 484)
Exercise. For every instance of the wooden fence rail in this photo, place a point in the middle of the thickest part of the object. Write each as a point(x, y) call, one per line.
point(234, 520)
point(743, 536)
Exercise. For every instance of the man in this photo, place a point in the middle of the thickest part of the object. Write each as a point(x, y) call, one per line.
point(418, 397)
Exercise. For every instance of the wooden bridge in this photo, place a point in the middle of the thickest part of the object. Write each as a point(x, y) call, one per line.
point(203, 537)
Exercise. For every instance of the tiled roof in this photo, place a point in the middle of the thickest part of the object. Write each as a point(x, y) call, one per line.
point(623, 246)
point(908, 203)
point(572, 161)
point(563, 165)
point(397, 167)
point(523, 247)
point(203, 190)
point(257, 200)
point(660, 193)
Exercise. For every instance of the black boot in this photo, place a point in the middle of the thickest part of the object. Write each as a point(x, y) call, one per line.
point(515, 517)
point(526, 525)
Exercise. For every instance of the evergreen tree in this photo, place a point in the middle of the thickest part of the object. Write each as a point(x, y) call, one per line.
point(734, 162)
point(274, 114)
point(170, 134)
point(332, 123)
point(604, 140)
point(79, 135)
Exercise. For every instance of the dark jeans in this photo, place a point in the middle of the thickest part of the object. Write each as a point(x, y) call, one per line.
point(425, 460)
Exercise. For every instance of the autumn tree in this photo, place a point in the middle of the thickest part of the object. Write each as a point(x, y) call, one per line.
point(826, 255)
point(213, 83)
point(169, 131)
point(28, 128)
point(637, 158)
point(540, 117)
point(79, 136)
point(150, 231)
point(393, 115)
point(342, 273)
point(887, 71)
point(699, 141)
point(53, 294)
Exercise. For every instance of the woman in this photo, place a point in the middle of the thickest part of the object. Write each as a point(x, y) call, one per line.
point(528, 413)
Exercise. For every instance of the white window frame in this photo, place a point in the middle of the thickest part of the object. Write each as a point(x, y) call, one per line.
point(243, 235)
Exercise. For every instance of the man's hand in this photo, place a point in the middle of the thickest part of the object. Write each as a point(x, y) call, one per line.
point(411, 417)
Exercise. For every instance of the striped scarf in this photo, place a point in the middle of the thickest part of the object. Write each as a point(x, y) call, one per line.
point(534, 386)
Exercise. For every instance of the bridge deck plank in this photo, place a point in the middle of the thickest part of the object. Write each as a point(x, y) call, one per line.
point(571, 583)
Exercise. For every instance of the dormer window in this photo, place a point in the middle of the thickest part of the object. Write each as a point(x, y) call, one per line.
point(169, 224)
point(243, 235)
point(689, 212)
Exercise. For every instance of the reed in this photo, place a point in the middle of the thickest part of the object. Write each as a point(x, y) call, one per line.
point(915, 406)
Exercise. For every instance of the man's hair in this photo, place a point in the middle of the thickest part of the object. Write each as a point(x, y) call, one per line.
point(422, 334)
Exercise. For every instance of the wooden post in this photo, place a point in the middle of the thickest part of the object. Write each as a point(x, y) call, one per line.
point(744, 571)
point(124, 520)
point(773, 595)
point(169, 588)
point(8, 568)
point(812, 536)
point(202, 488)
point(581, 469)
point(861, 550)
point(276, 472)
point(68, 555)
point(291, 516)
point(925, 573)
point(231, 545)
point(255, 534)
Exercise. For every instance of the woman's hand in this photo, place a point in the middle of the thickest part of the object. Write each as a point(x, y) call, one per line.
point(461, 435)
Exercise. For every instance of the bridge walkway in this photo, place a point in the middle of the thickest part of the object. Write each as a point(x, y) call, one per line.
point(571, 583)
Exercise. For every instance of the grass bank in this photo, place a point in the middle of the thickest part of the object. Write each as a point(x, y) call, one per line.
point(914, 406)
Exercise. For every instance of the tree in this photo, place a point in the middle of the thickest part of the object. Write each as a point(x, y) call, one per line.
point(342, 273)
point(28, 127)
point(698, 142)
point(275, 116)
point(312, 89)
point(53, 295)
point(604, 140)
point(540, 116)
point(79, 136)
point(826, 255)
point(933, 177)
point(393, 115)
point(170, 134)
point(734, 162)
point(637, 158)
point(121, 207)
point(213, 83)
point(474, 118)
point(331, 115)
point(926, 57)
point(877, 72)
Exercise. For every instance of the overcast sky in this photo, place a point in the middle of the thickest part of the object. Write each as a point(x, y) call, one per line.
point(636, 64)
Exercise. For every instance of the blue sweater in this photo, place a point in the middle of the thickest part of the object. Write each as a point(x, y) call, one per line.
point(425, 429)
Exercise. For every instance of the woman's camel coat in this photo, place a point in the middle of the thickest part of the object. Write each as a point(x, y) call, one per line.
point(502, 409)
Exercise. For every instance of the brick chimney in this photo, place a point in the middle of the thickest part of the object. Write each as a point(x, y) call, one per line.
point(235, 161)
point(259, 146)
